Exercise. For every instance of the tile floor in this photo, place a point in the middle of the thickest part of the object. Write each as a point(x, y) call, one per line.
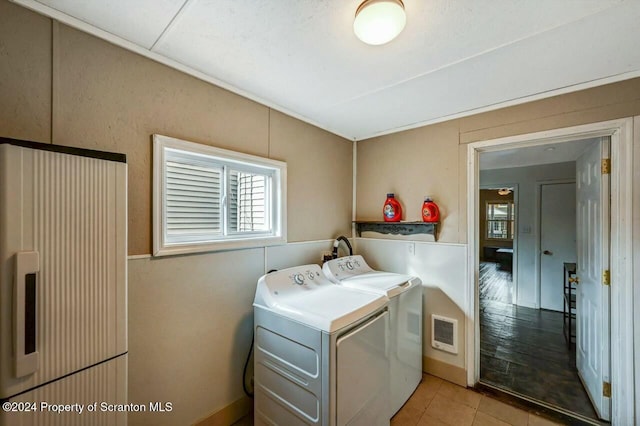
point(438, 402)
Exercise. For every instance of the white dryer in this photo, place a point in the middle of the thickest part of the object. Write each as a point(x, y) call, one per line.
point(405, 308)
point(321, 352)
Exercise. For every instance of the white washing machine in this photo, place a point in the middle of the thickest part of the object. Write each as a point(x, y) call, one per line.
point(321, 352)
point(405, 308)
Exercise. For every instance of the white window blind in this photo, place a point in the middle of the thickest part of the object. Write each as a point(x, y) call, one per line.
point(207, 198)
point(249, 208)
point(193, 199)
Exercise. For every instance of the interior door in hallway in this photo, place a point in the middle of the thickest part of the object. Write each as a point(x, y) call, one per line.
point(593, 318)
point(557, 240)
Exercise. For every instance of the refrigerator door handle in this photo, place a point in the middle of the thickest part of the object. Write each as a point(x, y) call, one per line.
point(25, 308)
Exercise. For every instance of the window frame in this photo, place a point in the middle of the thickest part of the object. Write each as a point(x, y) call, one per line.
point(510, 221)
point(230, 160)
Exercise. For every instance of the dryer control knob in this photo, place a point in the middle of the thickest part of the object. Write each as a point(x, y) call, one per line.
point(298, 279)
point(310, 275)
point(349, 264)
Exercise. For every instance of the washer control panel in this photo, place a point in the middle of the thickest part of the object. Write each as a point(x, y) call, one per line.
point(301, 278)
point(294, 280)
point(290, 282)
point(345, 267)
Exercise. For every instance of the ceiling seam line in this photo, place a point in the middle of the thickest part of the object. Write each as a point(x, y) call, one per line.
point(519, 100)
point(468, 58)
point(171, 23)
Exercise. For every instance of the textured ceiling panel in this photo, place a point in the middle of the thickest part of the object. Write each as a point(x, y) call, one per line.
point(453, 57)
point(530, 66)
point(535, 155)
point(139, 21)
point(287, 49)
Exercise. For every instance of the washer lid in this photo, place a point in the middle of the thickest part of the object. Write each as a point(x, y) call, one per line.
point(305, 295)
point(354, 272)
point(384, 283)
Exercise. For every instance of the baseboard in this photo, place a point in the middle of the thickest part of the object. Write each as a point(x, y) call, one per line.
point(448, 372)
point(229, 414)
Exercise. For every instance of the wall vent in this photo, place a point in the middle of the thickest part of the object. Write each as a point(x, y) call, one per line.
point(444, 333)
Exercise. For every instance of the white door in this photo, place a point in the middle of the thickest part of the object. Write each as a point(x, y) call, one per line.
point(592, 334)
point(557, 240)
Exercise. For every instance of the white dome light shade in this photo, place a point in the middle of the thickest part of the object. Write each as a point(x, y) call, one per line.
point(379, 21)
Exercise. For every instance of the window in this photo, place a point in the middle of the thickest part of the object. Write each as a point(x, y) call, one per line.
point(208, 198)
point(500, 220)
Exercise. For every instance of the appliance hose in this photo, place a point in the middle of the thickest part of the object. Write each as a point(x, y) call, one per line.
point(246, 363)
point(336, 243)
point(244, 372)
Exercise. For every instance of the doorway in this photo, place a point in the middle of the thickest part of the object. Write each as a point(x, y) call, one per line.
point(522, 343)
point(621, 356)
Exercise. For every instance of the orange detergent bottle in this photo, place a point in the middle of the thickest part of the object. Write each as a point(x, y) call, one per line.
point(392, 210)
point(430, 211)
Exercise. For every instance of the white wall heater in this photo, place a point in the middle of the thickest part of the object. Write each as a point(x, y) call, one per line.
point(444, 333)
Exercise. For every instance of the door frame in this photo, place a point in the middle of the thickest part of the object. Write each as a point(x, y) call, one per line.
point(538, 242)
point(514, 260)
point(621, 267)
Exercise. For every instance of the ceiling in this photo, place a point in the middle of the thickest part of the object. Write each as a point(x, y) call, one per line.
point(535, 155)
point(454, 58)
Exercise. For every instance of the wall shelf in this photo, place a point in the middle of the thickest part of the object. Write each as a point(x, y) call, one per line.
point(396, 228)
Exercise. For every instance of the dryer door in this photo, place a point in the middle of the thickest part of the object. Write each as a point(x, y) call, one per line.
point(362, 381)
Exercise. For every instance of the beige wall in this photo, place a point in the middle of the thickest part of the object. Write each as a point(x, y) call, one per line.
point(25, 74)
point(63, 86)
point(190, 325)
point(432, 159)
point(320, 173)
point(111, 99)
point(411, 164)
point(189, 316)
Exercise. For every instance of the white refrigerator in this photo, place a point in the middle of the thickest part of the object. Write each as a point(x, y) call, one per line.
point(63, 285)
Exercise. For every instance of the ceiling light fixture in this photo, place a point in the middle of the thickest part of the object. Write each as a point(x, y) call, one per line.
point(379, 21)
point(504, 191)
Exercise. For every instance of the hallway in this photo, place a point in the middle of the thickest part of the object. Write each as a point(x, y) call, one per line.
point(523, 350)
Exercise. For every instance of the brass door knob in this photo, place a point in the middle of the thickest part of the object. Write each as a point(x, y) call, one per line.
point(574, 280)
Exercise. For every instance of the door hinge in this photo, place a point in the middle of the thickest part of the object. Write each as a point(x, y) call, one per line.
point(606, 389)
point(606, 277)
point(606, 166)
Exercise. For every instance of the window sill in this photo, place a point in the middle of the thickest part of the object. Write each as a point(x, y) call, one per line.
point(249, 243)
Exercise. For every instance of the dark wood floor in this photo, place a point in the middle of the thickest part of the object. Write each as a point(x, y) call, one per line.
point(524, 350)
point(496, 284)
